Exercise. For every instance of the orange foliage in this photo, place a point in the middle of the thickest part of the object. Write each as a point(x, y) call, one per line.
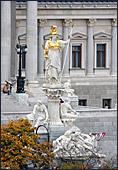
point(19, 147)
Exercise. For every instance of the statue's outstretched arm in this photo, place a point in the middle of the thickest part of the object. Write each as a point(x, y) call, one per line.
point(64, 42)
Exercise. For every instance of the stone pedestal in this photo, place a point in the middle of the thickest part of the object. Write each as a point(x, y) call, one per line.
point(56, 131)
point(21, 97)
point(53, 95)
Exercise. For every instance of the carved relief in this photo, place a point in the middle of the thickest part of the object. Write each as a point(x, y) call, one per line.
point(18, 21)
point(102, 35)
point(114, 22)
point(75, 144)
point(41, 22)
point(91, 22)
point(67, 22)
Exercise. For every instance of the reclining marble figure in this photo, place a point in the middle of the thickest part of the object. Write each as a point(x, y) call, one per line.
point(39, 115)
point(75, 144)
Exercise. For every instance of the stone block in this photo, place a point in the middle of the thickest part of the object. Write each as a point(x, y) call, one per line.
point(86, 130)
point(114, 133)
point(99, 124)
point(94, 119)
point(115, 123)
point(109, 138)
point(103, 119)
point(21, 97)
point(95, 129)
point(85, 119)
point(107, 123)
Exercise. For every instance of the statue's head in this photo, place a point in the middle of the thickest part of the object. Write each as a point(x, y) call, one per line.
point(53, 30)
point(67, 133)
point(39, 101)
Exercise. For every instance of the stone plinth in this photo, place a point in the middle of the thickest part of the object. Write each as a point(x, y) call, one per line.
point(53, 95)
point(21, 97)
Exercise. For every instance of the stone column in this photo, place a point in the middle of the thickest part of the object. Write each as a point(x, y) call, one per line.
point(114, 47)
point(66, 36)
point(5, 40)
point(89, 66)
point(40, 48)
point(53, 105)
point(13, 37)
point(31, 30)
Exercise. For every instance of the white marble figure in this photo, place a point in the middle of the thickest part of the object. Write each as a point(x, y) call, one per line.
point(60, 145)
point(74, 144)
point(52, 52)
point(39, 115)
point(67, 118)
point(68, 90)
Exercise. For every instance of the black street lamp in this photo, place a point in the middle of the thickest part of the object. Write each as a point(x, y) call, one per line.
point(20, 49)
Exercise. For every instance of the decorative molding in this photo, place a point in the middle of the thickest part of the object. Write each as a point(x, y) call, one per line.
point(101, 36)
point(18, 21)
point(66, 22)
point(114, 22)
point(41, 22)
point(53, 94)
point(91, 22)
point(78, 36)
point(48, 36)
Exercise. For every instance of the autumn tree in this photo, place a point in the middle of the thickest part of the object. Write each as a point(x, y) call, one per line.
point(19, 147)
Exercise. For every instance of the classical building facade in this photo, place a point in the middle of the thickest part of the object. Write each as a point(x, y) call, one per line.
point(91, 62)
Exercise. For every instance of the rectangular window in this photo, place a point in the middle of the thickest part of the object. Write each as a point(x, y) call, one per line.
point(76, 56)
point(107, 103)
point(83, 102)
point(101, 55)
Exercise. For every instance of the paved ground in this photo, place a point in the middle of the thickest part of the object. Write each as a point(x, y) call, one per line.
point(10, 104)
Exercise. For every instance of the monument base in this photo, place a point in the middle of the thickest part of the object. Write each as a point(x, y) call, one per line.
point(21, 97)
point(56, 131)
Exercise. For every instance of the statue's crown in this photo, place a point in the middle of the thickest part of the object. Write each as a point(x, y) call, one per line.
point(53, 30)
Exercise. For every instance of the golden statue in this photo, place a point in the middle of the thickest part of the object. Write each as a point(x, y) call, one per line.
point(52, 54)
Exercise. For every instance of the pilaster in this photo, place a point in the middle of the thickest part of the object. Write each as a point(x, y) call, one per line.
point(114, 48)
point(89, 59)
point(66, 23)
point(41, 24)
point(13, 38)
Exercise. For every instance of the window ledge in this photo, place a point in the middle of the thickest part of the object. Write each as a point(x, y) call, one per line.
point(101, 68)
point(77, 68)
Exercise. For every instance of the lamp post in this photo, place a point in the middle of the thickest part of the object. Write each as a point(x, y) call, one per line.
point(20, 49)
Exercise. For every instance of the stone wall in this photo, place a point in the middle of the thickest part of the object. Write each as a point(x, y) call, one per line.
point(96, 93)
point(90, 120)
point(101, 121)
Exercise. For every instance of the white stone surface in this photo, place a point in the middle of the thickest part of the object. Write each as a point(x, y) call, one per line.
point(68, 119)
point(31, 31)
point(53, 95)
point(74, 144)
point(6, 40)
point(53, 59)
point(114, 48)
point(21, 97)
point(39, 115)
